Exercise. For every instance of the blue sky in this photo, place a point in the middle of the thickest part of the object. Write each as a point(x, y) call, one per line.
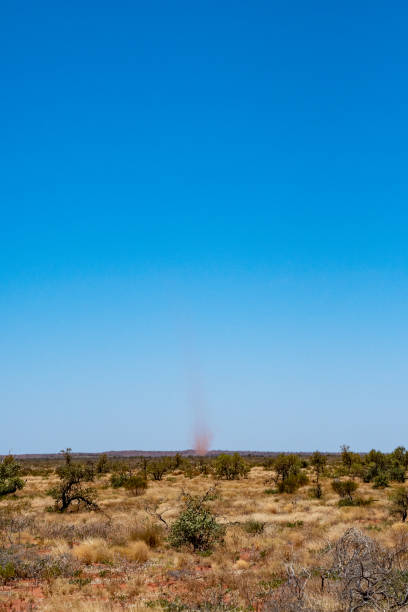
point(203, 215)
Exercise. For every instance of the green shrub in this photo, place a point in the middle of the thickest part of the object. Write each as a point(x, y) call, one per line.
point(231, 467)
point(400, 456)
point(380, 481)
point(177, 461)
point(357, 468)
point(292, 483)
point(378, 458)
point(7, 572)
point(396, 473)
point(136, 484)
point(294, 524)
point(190, 469)
point(203, 467)
point(345, 488)
point(102, 465)
point(159, 467)
point(346, 457)
point(356, 501)
point(399, 503)
point(253, 527)
point(370, 472)
point(268, 463)
point(363, 501)
point(196, 526)
point(315, 492)
point(118, 479)
point(289, 475)
point(345, 501)
point(318, 462)
point(73, 476)
point(10, 480)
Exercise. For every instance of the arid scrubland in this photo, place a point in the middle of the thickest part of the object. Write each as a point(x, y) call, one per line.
point(201, 536)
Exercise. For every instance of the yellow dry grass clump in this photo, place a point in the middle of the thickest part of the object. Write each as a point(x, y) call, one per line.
point(93, 550)
point(134, 551)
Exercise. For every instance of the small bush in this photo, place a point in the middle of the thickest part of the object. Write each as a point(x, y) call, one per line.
point(159, 468)
point(268, 463)
point(315, 492)
point(345, 502)
point(72, 489)
point(118, 479)
point(102, 465)
point(136, 484)
point(357, 501)
point(289, 476)
point(397, 473)
point(345, 488)
point(399, 503)
point(231, 467)
point(381, 481)
point(10, 480)
point(19, 563)
point(292, 483)
point(253, 527)
point(7, 572)
point(196, 526)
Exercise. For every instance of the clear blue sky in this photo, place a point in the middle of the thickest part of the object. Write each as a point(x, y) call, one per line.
point(204, 207)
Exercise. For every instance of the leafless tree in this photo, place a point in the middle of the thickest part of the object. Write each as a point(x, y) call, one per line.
point(370, 577)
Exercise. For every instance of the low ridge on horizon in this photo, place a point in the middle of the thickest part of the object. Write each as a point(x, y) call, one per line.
point(166, 453)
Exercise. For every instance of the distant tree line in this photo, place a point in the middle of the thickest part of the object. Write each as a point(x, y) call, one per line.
point(288, 472)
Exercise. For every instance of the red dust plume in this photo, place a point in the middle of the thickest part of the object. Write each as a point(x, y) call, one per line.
point(202, 439)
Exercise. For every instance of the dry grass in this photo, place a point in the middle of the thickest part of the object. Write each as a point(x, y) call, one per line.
point(126, 562)
point(149, 533)
point(134, 551)
point(93, 550)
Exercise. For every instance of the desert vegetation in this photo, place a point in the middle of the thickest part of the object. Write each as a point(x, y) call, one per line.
point(283, 533)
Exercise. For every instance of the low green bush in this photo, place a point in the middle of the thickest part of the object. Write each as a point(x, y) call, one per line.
point(357, 501)
point(253, 527)
point(345, 488)
point(196, 526)
point(381, 481)
point(10, 480)
point(231, 467)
